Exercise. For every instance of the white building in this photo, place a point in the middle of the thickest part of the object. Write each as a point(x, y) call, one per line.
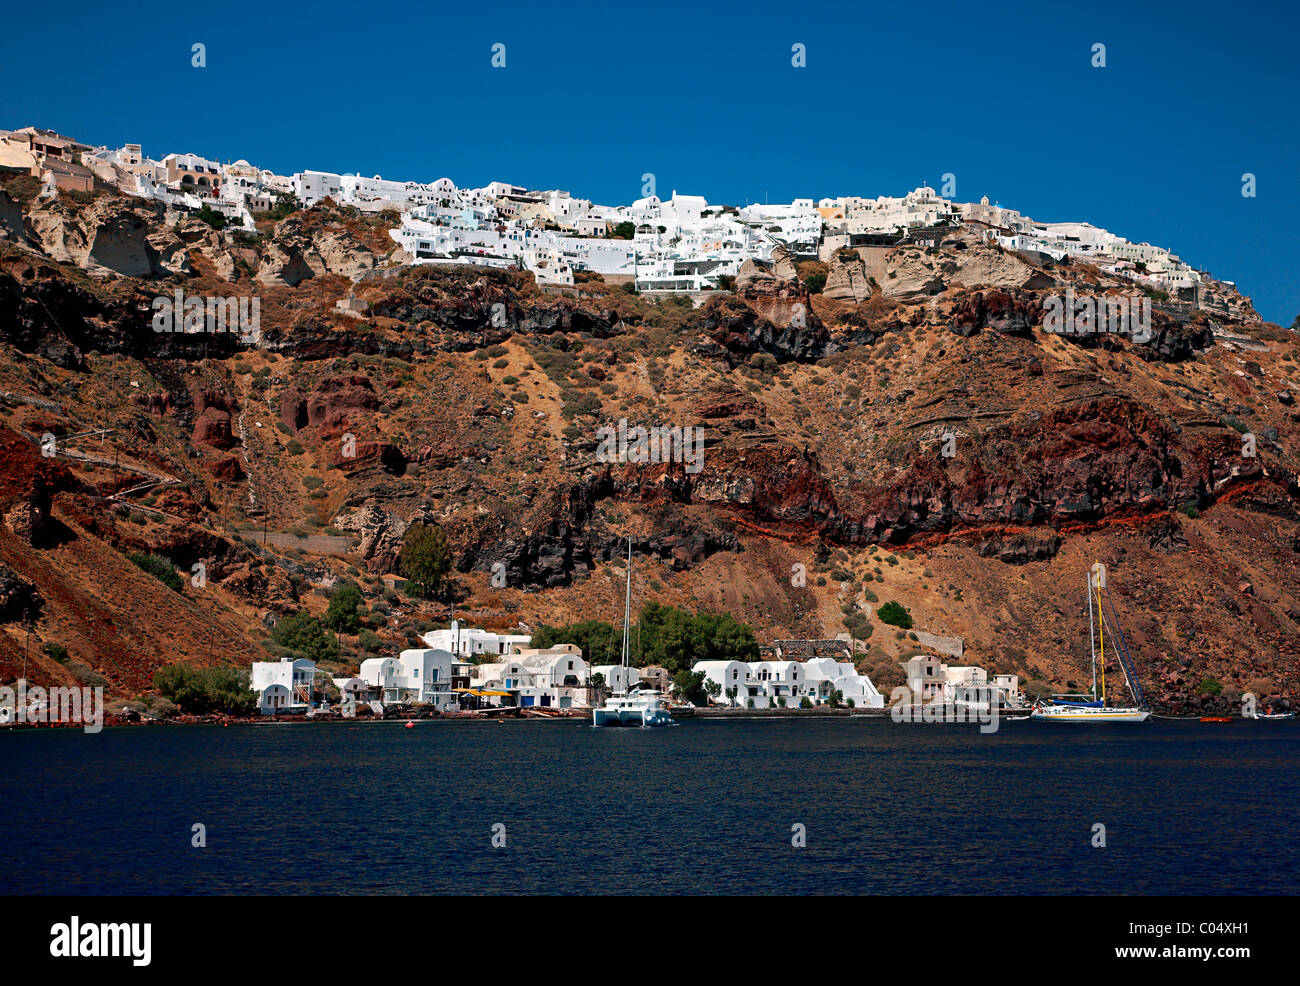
point(962, 684)
point(468, 642)
point(419, 676)
point(825, 676)
point(386, 676)
point(615, 680)
point(772, 684)
point(284, 686)
point(556, 677)
point(730, 676)
point(919, 207)
point(925, 676)
point(312, 186)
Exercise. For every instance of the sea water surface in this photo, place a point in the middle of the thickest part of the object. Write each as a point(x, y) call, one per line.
point(707, 806)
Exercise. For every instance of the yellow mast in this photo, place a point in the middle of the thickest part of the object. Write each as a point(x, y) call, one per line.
point(1101, 638)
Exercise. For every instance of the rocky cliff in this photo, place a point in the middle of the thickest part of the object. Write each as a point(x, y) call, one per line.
point(923, 439)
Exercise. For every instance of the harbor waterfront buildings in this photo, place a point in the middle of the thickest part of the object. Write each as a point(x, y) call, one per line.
point(930, 680)
point(786, 684)
point(492, 670)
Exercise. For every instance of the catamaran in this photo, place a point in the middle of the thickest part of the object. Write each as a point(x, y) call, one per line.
point(641, 706)
point(1084, 708)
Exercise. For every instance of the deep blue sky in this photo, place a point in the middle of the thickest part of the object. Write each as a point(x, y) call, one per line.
point(703, 95)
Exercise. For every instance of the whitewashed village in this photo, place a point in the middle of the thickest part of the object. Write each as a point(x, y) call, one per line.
point(679, 243)
point(467, 669)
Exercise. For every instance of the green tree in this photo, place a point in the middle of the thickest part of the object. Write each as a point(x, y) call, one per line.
point(624, 231)
point(425, 559)
point(212, 217)
point(200, 691)
point(676, 639)
point(343, 614)
point(600, 642)
point(305, 634)
point(663, 635)
point(894, 614)
point(689, 686)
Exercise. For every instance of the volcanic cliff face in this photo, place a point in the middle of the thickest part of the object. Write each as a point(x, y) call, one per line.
point(917, 437)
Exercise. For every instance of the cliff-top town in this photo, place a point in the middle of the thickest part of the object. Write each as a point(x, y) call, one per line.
point(678, 243)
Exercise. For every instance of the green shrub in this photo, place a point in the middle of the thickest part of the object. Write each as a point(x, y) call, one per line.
point(305, 635)
point(160, 568)
point(343, 614)
point(87, 676)
point(199, 691)
point(895, 614)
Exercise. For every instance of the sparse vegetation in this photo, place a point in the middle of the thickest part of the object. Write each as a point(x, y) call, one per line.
point(160, 568)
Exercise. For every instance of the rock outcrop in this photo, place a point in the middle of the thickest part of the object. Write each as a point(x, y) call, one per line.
point(846, 278)
point(114, 235)
point(299, 250)
point(918, 271)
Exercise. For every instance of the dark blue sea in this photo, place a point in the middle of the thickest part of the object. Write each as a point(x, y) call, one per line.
point(704, 807)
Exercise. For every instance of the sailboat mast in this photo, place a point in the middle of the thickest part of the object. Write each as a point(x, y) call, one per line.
point(1092, 636)
point(627, 610)
point(1101, 639)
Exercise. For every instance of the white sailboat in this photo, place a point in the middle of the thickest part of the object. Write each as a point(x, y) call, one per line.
point(641, 706)
point(1082, 708)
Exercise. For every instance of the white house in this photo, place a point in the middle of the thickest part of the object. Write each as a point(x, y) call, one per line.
point(770, 684)
point(925, 677)
point(965, 684)
point(420, 676)
point(427, 675)
point(556, 678)
point(730, 676)
point(466, 641)
point(824, 675)
point(780, 680)
point(615, 680)
point(386, 675)
point(313, 186)
point(283, 686)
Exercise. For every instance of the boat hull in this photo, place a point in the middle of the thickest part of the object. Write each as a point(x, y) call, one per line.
point(630, 717)
point(1084, 714)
